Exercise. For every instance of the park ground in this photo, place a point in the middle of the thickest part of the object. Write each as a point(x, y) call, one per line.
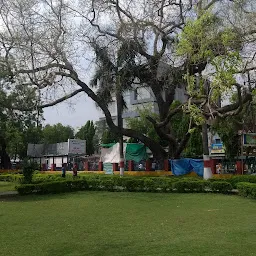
point(112, 223)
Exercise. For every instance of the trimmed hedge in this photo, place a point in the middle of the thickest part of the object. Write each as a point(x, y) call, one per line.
point(221, 187)
point(52, 187)
point(116, 183)
point(247, 189)
point(190, 186)
point(242, 178)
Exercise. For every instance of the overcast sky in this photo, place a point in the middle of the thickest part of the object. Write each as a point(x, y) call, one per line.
point(74, 112)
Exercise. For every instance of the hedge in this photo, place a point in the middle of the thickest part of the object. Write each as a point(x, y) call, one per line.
point(190, 186)
point(116, 183)
point(242, 178)
point(221, 187)
point(247, 189)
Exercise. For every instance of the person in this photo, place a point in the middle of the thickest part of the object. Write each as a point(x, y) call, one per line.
point(153, 166)
point(75, 170)
point(63, 169)
point(140, 166)
point(219, 168)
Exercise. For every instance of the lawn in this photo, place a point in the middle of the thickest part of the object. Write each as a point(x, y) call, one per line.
point(6, 186)
point(111, 223)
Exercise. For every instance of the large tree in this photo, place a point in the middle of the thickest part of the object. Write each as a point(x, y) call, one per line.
point(88, 133)
point(15, 124)
point(44, 47)
point(57, 133)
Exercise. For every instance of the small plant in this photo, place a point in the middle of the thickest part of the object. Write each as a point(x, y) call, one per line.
point(28, 171)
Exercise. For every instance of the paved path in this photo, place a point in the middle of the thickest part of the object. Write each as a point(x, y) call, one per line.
point(8, 193)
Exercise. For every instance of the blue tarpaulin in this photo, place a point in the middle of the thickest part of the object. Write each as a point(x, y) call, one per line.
point(187, 165)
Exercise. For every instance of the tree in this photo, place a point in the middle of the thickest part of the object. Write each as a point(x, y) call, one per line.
point(159, 33)
point(108, 137)
point(14, 123)
point(57, 133)
point(87, 132)
point(180, 124)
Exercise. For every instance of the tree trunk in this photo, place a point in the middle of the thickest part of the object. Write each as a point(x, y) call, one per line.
point(119, 104)
point(205, 139)
point(5, 159)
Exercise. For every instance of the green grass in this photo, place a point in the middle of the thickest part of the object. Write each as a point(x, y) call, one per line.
point(6, 186)
point(115, 224)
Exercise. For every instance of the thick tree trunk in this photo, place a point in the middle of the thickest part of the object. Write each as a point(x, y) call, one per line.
point(120, 126)
point(205, 139)
point(5, 159)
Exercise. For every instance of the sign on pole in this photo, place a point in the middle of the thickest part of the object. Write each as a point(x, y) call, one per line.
point(76, 147)
point(249, 139)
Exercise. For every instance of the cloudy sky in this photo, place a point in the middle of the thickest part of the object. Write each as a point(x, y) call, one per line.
point(74, 112)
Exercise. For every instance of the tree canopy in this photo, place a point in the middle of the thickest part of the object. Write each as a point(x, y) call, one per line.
point(200, 46)
point(88, 132)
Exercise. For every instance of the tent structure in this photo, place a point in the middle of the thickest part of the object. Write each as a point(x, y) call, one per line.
point(132, 151)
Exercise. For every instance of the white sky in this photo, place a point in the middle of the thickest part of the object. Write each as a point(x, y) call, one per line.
point(75, 113)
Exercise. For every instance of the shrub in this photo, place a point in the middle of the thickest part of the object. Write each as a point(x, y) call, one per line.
point(17, 178)
point(107, 184)
point(28, 170)
point(242, 178)
point(247, 189)
point(190, 186)
point(25, 189)
point(132, 184)
point(221, 186)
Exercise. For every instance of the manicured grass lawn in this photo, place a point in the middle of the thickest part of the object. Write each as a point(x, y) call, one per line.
point(115, 224)
point(6, 186)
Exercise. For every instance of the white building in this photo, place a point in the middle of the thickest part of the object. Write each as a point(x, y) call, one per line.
point(137, 99)
point(58, 153)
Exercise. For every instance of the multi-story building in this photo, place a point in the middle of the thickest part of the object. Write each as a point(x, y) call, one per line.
point(136, 100)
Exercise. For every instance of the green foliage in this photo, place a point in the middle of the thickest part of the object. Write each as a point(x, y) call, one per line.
point(242, 178)
point(190, 186)
point(57, 133)
point(109, 137)
point(87, 132)
point(221, 187)
point(142, 124)
point(126, 183)
point(204, 42)
point(247, 189)
point(28, 170)
point(14, 125)
point(16, 178)
point(227, 129)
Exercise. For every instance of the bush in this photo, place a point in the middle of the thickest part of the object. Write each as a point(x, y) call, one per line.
point(17, 178)
point(221, 186)
point(190, 186)
point(56, 184)
point(25, 189)
point(247, 189)
point(53, 187)
point(131, 184)
point(242, 178)
point(28, 170)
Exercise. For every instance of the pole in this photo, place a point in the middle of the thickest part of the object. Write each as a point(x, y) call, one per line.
point(206, 157)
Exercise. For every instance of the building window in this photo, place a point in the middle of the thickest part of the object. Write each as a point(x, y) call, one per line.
point(136, 94)
point(218, 141)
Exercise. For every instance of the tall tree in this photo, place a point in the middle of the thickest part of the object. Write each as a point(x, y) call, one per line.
point(15, 123)
point(88, 132)
point(57, 133)
point(159, 33)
